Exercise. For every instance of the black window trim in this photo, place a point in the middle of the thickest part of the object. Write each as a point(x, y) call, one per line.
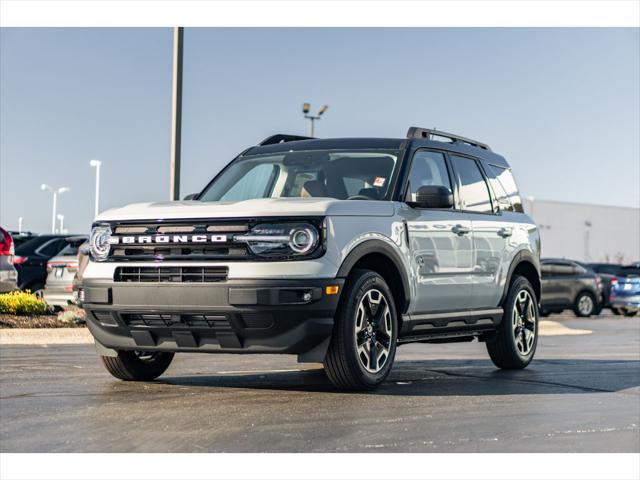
point(492, 199)
point(452, 181)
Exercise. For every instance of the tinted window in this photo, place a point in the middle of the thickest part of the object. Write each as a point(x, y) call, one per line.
point(505, 185)
point(610, 269)
point(52, 247)
point(474, 192)
point(428, 168)
point(630, 270)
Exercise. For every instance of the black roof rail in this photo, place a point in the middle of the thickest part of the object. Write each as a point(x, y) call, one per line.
point(428, 133)
point(281, 138)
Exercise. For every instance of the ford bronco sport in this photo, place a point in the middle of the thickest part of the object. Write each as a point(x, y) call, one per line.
point(336, 250)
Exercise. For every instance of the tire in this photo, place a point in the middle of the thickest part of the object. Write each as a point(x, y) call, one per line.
point(598, 310)
point(629, 313)
point(360, 330)
point(544, 313)
point(616, 311)
point(517, 336)
point(137, 366)
point(584, 305)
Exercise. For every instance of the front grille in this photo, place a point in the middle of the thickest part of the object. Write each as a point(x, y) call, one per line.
point(161, 320)
point(180, 250)
point(171, 274)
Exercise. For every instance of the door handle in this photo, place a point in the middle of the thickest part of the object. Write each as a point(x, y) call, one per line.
point(460, 230)
point(505, 232)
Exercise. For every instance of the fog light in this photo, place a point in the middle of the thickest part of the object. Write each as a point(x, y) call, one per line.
point(306, 296)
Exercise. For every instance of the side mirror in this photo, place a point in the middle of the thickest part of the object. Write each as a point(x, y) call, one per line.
point(434, 196)
point(191, 196)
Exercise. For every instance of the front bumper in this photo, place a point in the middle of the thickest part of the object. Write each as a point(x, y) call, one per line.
point(236, 316)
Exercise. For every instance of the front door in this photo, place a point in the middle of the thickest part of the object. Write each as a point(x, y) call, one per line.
point(440, 243)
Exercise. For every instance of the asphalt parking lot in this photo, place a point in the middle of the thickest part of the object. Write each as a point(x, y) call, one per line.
point(581, 394)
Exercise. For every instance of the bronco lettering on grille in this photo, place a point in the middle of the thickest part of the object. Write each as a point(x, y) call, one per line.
point(167, 239)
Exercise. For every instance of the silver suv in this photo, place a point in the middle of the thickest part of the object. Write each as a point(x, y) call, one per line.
point(336, 250)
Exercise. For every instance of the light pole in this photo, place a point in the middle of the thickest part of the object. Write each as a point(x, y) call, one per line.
point(312, 118)
point(19, 224)
point(55, 192)
point(61, 220)
point(176, 115)
point(96, 164)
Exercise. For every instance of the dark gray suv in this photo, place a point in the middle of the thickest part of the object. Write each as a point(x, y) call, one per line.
point(335, 250)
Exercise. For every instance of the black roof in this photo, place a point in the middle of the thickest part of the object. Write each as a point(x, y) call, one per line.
point(377, 144)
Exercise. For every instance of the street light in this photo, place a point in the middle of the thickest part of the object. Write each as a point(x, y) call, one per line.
point(55, 192)
point(96, 164)
point(306, 107)
point(19, 224)
point(61, 220)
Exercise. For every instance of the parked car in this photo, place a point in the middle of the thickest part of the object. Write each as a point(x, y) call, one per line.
point(8, 273)
point(337, 250)
point(568, 285)
point(31, 260)
point(625, 291)
point(62, 269)
point(607, 272)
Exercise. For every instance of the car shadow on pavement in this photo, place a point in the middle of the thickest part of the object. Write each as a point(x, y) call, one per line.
point(448, 378)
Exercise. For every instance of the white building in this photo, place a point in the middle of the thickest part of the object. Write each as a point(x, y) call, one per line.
point(594, 233)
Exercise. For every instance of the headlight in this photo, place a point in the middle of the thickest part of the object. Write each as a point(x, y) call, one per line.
point(282, 240)
point(99, 245)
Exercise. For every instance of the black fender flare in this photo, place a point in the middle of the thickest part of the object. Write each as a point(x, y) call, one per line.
point(521, 256)
point(377, 246)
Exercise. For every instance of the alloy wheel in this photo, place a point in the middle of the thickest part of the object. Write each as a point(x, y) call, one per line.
point(585, 305)
point(373, 330)
point(523, 321)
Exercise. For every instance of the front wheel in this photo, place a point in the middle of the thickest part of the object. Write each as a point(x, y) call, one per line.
point(517, 337)
point(140, 366)
point(363, 343)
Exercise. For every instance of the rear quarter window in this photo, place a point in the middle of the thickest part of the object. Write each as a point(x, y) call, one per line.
point(505, 188)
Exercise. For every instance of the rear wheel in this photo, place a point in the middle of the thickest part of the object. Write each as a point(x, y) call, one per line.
point(363, 343)
point(585, 305)
point(616, 311)
point(517, 337)
point(138, 365)
point(630, 313)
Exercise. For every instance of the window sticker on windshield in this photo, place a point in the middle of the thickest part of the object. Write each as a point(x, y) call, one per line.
point(379, 182)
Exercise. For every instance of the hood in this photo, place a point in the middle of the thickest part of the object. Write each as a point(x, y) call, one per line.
point(259, 207)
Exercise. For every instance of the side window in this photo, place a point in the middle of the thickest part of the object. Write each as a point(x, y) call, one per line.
point(427, 168)
point(253, 184)
point(474, 192)
point(504, 178)
point(52, 247)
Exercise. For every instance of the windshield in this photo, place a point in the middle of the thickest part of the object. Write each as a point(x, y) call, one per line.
point(352, 174)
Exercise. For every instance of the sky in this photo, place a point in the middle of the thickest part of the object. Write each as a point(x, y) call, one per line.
point(562, 105)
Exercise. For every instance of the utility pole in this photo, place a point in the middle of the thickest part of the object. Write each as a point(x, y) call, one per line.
point(61, 220)
point(19, 224)
point(176, 115)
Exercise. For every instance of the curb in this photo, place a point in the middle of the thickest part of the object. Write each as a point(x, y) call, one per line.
point(45, 336)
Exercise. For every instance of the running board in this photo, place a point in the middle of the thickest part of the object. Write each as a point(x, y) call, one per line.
point(449, 325)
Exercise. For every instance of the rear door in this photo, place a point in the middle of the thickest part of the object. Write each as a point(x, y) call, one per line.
point(491, 232)
point(440, 242)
